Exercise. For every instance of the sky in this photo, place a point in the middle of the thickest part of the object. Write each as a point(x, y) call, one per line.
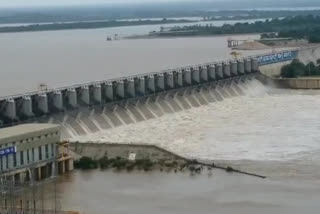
point(45, 3)
point(21, 3)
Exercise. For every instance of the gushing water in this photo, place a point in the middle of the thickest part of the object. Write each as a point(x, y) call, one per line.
point(263, 124)
point(88, 122)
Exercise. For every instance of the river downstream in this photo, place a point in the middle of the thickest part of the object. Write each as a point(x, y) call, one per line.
point(272, 132)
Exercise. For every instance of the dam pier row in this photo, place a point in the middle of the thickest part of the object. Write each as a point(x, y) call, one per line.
point(51, 106)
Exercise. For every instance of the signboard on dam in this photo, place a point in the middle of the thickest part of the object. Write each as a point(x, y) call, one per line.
point(8, 151)
point(277, 57)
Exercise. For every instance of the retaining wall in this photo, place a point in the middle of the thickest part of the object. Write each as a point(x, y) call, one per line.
point(142, 151)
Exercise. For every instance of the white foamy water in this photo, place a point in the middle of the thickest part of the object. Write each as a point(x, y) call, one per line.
point(264, 124)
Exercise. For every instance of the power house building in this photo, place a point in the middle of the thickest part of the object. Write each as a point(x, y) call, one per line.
point(31, 151)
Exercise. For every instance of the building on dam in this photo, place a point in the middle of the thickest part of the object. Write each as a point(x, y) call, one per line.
point(32, 152)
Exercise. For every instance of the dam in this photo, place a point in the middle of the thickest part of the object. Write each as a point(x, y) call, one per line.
point(96, 106)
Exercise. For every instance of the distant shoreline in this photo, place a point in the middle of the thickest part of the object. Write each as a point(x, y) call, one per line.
point(87, 25)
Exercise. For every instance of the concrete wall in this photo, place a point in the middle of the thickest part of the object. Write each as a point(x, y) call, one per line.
point(99, 150)
point(298, 83)
point(290, 83)
point(38, 104)
point(305, 55)
point(273, 70)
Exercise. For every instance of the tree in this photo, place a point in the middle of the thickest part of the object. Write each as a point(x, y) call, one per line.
point(298, 68)
point(293, 70)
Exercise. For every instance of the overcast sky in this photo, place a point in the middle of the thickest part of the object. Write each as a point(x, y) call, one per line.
point(14, 3)
point(32, 3)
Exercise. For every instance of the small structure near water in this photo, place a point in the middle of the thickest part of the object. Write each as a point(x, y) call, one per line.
point(32, 152)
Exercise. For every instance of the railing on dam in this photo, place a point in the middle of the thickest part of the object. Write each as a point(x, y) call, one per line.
point(23, 107)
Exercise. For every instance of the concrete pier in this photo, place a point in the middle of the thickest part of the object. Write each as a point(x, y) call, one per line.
point(169, 80)
point(42, 101)
point(130, 88)
point(254, 65)
point(212, 72)
point(141, 86)
point(109, 91)
point(195, 75)
point(10, 109)
point(26, 108)
point(179, 79)
point(204, 74)
point(120, 89)
point(187, 76)
point(160, 82)
point(97, 95)
point(151, 84)
point(57, 100)
point(219, 71)
point(247, 66)
point(85, 95)
point(72, 98)
point(241, 67)
point(226, 69)
point(234, 68)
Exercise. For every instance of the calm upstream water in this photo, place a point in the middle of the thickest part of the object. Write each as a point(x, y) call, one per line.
point(63, 58)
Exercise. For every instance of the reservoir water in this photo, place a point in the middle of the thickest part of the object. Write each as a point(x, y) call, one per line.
point(63, 58)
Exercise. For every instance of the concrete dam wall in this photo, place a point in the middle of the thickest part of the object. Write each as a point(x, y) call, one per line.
point(89, 108)
point(114, 94)
point(305, 55)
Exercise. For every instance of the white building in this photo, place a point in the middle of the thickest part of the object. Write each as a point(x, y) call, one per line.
point(29, 151)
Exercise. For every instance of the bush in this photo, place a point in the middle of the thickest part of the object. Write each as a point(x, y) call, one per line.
point(104, 162)
point(120, 164)
point(298, 69)
point(145, 164)
point(86, 163)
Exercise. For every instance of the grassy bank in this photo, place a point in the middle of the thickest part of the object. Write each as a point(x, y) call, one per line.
point(299, 27)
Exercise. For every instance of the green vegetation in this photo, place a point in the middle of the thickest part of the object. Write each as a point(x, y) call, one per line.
point(298, 69)
point(86, 163)
point(117, 163)
point(298, 27)
point(87, 25)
